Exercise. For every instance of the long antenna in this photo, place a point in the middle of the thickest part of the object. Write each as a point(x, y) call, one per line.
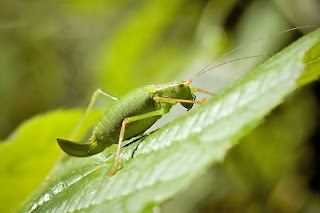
point(227, 62)
point(246, 44)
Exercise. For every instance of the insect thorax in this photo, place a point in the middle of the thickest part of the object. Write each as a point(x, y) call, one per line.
point(174, 90)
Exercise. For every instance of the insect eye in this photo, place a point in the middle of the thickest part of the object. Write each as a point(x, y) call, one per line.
point(181, 85)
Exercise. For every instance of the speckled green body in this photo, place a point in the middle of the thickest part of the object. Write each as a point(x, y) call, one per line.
point(137, 102)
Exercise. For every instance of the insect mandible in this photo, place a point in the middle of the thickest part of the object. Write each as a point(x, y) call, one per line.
point(135, 112)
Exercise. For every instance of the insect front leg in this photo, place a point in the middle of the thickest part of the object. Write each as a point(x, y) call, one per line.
point(193, 90)
point(123, 127)
point(171, 100)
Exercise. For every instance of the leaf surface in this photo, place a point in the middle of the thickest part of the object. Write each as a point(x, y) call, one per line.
point(31, 150)
point(157, 167)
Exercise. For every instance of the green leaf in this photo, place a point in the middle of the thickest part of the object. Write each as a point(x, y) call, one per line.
point(159, 166)
point(31, 151)
point(251, 175)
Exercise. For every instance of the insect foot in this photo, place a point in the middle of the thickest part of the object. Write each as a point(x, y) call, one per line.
point(112, 172)
point(204, 101)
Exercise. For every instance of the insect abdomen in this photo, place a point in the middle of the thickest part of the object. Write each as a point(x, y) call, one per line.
point(136, 102)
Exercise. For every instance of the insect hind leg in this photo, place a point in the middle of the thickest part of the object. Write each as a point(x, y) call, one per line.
point(93, 98)
point(88, 108)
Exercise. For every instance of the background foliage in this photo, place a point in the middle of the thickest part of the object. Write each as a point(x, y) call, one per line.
point(54, 54)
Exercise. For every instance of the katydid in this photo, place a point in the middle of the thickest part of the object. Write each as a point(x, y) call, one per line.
point(131, 115)
point(135, 112)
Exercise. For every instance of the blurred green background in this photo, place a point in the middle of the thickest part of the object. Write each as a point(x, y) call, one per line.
point(54, 54)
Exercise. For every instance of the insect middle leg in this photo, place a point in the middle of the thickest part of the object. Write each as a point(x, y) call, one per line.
point(123, 127)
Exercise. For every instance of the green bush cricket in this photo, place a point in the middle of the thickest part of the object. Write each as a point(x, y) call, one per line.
point(124, 120)
point(135, 112)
